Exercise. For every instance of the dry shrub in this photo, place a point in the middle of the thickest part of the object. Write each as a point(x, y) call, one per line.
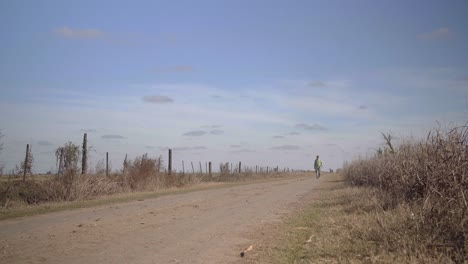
point(29, 192)
point(430, 177)
point(143, 173)
point(80, 187)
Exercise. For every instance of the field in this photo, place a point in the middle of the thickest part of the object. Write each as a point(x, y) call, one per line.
point(403, 204)
point(143, 174)
point(339, 223)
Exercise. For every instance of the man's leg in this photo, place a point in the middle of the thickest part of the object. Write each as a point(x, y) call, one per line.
point(318, 173)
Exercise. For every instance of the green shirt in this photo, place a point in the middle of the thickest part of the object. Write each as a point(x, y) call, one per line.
point(317, 164)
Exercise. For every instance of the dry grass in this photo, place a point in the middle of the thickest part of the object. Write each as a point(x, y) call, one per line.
point(143, 178)
point(429, 181)
point(346, 225)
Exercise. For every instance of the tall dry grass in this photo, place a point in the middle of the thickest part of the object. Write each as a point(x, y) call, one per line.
point(430, 178)
point(144, 173)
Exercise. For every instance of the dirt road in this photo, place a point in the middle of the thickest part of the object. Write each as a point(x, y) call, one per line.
point(210, 226)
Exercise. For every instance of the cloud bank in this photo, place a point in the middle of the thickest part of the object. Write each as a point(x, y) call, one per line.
point(158, 99)
point(77, 33)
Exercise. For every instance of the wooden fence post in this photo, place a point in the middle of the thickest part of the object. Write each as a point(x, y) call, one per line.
point(84, 160)
point(60, 162)
point(159, 164)
point(169, 165)
point(193, 168)
point(183, 168)
point(125, 164)
point(26, 160)
point(201, 171)
point(240, 167)
point(107, 163)
point(209, 169)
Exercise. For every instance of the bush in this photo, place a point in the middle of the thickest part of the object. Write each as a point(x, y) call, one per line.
point(143, 170)
point(431, 177)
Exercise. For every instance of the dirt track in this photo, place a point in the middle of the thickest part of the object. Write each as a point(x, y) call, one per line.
point(210, 226)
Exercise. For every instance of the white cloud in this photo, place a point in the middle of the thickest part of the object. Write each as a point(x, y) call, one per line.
point(217, 132)
point(440, 33)
point(319, 84)
point(310, 127)
point(158, 99)
point(112, 137)
point(189, 148)
point(362, 107)
point(77, 33)
point(287, 147)
point(195, 133)
point(267, 111)
point(88, 130)
point(244, 150)
point(44, 143)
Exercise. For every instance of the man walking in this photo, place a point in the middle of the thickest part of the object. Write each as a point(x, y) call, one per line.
point(317, 167)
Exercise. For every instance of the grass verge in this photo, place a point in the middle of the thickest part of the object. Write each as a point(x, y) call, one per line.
point(342, 224)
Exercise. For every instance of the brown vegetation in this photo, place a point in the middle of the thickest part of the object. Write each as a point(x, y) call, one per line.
point(339, 223)
point(428, 180)
point(141, 174)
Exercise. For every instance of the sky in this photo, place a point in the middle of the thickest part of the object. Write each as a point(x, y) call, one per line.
point(268, 83)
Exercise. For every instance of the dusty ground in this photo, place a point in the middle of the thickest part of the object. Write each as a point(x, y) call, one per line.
point(211, 226)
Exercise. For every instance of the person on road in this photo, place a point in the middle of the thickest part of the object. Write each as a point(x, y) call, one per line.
point(317, 167)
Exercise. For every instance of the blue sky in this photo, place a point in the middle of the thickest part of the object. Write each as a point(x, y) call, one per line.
point(262, 82)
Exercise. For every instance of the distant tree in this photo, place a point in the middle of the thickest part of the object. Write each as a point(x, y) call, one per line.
point(224, 168)
point(388, 141)
point(70, 159)
point(379, 151)
point(125, 164)
point(100, 167)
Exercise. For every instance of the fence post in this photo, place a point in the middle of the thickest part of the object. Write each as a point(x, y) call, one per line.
point(209, 169)
point(201, 171)
point(193, 169)
point(240, 167)
point(183, 168)
point(169, 165)
point(125, 164)
point(60, 162)
point(85, 154)
point(26, 159)
point(159, 164)
point(107, 163)
point(267, 170)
